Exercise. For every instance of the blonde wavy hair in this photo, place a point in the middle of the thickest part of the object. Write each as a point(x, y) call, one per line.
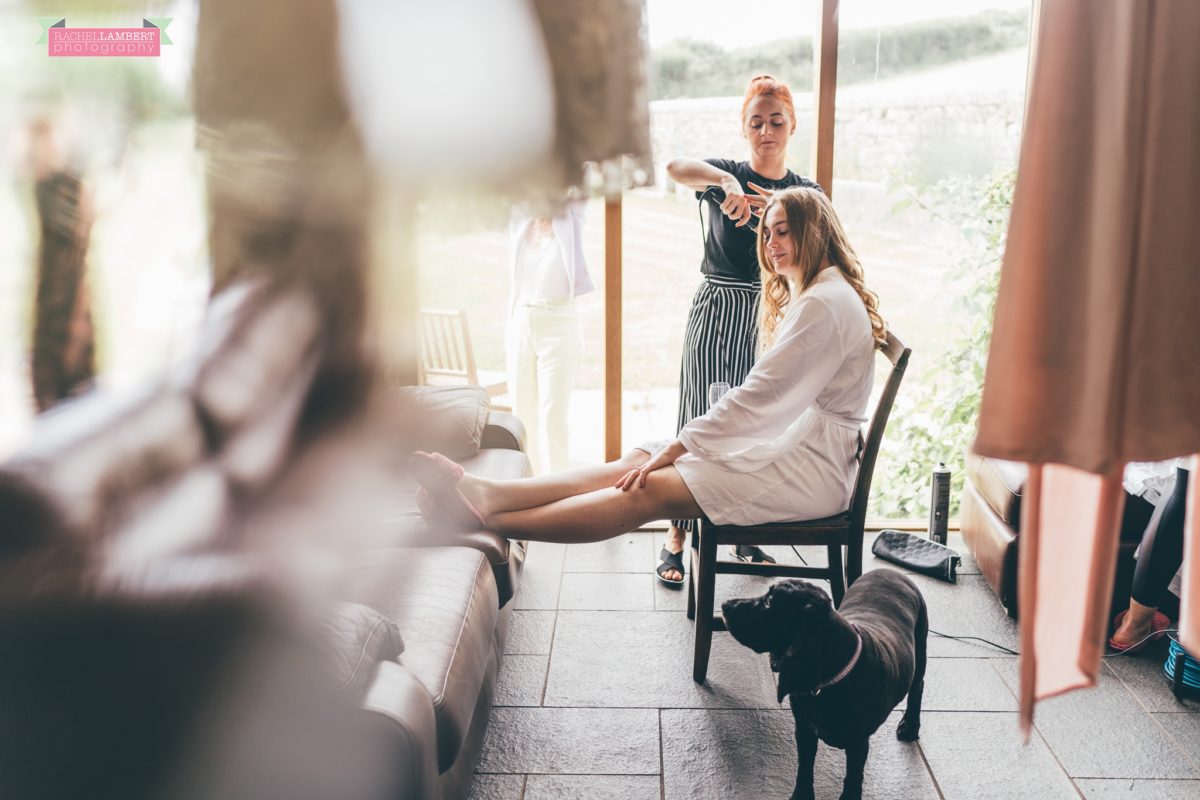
point(816, 233)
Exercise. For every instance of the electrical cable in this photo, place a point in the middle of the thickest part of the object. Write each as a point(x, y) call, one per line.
point(976, 638)
point(1191, 667)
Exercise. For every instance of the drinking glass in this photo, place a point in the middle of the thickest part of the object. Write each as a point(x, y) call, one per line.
point(716, 391)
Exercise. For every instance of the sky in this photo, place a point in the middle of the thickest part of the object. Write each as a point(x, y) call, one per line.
point(740, 24)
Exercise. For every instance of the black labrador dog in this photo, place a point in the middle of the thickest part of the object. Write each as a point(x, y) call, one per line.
point(844, 671)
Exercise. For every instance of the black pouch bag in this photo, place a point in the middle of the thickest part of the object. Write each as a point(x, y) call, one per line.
point(918, 554)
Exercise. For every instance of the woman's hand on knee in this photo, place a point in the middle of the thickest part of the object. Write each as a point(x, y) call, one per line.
point(636, 478)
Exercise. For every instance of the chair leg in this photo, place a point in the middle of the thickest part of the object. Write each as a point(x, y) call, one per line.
point(706, 582)
point(837, 579)
point(691, 578)
point(854, 557)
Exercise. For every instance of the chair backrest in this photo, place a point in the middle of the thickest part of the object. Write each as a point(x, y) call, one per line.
point(446, 352)
point(898, 355)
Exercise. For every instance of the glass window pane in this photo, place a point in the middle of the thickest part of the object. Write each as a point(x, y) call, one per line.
point(929, 108)
point(122, 131)
point(703, 55)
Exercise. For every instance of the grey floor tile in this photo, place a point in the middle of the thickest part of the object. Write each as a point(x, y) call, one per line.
point(965, 684)
point(966, 608)
point(607, 591)
point(1105, 733)
point(1185, 730)
point(1126, 789)
point(497, 787)
point(602, 741)
point(521, 681)
point(541, 577)
point(545, 556)
point(633, 552)
point(728, 588)
point(979, 756)
point(752, 754)
point(593, 787)
point(728, 754)
point(1143, 674)
point(643, 659)
point(530, 633)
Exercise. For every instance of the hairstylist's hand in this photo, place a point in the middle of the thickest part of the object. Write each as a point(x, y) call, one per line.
point(737, 206)
point(758, 201)
point(665, 457)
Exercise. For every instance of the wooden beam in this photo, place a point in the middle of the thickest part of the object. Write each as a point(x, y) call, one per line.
point(825, 50)
point(612, 327)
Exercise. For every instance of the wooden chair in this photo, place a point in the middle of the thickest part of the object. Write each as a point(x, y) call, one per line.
point(448, 359)
point(841, 530)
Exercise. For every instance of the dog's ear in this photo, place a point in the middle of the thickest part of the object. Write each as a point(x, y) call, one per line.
point(797, 670)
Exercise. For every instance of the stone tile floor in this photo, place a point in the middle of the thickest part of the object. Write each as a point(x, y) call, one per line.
point(595, 700)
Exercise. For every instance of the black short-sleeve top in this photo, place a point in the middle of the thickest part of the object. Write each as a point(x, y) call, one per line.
point(729, 251)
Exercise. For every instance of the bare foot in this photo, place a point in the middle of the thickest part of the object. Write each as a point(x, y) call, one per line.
point(441, 495)
point(1136, 624)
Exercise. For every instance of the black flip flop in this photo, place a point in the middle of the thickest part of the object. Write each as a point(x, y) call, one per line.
point(749, 554)
point(668, 560)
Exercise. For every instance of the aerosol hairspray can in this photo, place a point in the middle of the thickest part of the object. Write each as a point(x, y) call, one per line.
point(939, 503)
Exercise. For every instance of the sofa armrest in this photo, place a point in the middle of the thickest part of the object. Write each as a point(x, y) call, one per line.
point(398, 700)
point(503, 430)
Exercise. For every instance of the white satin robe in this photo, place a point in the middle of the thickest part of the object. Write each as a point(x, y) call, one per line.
point(782, 445)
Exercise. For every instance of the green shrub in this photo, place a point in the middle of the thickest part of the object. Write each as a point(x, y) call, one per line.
point(935, 414)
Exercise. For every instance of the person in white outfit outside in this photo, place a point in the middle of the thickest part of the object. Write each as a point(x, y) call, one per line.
point(544, 341)
point(782, 446)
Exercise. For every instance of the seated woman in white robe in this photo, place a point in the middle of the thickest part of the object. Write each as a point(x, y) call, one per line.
point(782, 446)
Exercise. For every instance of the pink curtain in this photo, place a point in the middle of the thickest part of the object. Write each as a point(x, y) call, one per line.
point(1094, 360)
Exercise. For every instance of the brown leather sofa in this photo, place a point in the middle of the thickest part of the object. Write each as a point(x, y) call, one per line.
point(164, 557)
point(990, 520)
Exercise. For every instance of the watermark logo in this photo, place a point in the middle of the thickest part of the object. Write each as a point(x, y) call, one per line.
point(62, 41)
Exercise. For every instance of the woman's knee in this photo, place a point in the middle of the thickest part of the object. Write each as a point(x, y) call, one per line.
point(633, 458)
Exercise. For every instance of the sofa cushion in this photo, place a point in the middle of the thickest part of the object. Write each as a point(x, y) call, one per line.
point(356, 638)
point(449, 419)
point(503, 430)
point(443, 600)
point(498, 464)
point(1000, 484)
point(992, 543)
point(410, 528)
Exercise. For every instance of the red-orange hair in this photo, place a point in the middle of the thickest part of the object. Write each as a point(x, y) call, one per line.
point(766, 84)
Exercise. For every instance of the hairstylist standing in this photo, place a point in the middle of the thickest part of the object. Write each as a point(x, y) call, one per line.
point(720, 343)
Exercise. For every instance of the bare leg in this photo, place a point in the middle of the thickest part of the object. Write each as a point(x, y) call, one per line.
point(492, 496)
point(600, 513)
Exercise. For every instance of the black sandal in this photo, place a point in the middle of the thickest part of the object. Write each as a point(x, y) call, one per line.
point(749, 554)
point(668, 561)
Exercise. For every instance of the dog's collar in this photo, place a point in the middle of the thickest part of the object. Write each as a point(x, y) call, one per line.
point(841, 676)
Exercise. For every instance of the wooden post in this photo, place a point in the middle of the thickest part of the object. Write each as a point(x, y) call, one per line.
point(612, 327)
point(825, 50)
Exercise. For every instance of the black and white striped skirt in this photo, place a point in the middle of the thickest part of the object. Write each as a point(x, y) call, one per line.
point(719, 345)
